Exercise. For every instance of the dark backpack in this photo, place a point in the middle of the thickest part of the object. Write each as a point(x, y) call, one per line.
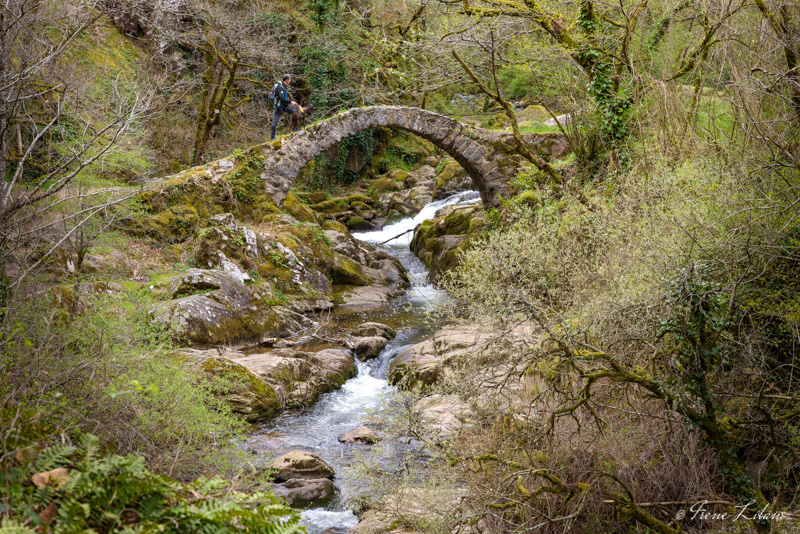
point(273, 95)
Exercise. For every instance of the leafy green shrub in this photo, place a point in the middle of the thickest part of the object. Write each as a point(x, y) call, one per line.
point(83, 362)
point(93, 493)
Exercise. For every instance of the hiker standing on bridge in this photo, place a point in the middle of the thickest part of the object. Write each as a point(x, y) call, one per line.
point(283, 104)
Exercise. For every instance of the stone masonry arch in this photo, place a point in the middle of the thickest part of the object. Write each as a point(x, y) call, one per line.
point(486, 155)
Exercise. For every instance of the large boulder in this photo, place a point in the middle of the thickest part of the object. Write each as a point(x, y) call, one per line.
point(260, 385)
point(373, 329)
point(439, 242)
point(214, 307)
point(301, 465)
point(369, 339)
point(399, 511)
point(306, 493)
point(246, 393)
point(425, 362)
point(299, 377)
point(444, 415)
point(369, 347)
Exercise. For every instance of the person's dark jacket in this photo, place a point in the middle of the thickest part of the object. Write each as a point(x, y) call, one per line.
point(282, 100)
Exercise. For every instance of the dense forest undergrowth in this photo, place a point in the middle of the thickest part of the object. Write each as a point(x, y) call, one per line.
point(642, 292)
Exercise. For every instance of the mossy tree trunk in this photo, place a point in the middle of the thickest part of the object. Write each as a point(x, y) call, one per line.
point(218, 80)
point(786, 29)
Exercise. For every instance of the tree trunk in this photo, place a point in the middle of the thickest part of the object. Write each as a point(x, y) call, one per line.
point(201, 133)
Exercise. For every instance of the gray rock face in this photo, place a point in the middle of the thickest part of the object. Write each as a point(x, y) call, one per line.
point(213, 308)
point(361, 434)
point(225, 220)
point(424, 363)
point(300, 493)
point(301, 465)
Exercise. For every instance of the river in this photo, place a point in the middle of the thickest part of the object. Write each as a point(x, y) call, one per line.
point(317, 428)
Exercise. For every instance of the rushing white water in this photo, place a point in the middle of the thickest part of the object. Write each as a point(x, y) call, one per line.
point(317, 429)
point(406, 226)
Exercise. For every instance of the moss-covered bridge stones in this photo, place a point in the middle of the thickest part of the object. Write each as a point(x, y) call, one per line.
point(486, 155)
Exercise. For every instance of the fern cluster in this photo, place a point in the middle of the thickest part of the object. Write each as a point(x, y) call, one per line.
point(119, 494)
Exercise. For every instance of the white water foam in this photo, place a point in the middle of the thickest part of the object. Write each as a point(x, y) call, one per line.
point(318, 519)
point(408, 225)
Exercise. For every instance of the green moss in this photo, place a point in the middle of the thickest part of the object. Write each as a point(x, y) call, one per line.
point(398, 175)
point(300, 211)
point(327, 206)
point(350, 199)
point(334, 225)
point(529, 197)
point(345, 272)
point(357, 223)
point(243, 382)
point(173, 225)
point(384, 185)
point(312, 197)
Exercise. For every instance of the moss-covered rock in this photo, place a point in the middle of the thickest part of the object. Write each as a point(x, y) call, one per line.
point(384, 185)
point(223, 310)
point(174, 224)
point(300, 211)
point(533, 113)
point(247, 394)
point(356, 197)
point(358, 223)
point(299, 377)
point(312, 197)
point(349, 273)
point(398, 175)
point(326, 206)
point(335, 226)
point(450, 180)
point(439, 242)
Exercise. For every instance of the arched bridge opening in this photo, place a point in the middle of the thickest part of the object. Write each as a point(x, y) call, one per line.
point(486, 155)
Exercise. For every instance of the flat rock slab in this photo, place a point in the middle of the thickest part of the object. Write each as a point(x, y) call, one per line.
point(373, 329)
point(301, 465)
point(361, 434)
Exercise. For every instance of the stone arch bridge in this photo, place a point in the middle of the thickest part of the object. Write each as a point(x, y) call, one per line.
point(486, 155)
